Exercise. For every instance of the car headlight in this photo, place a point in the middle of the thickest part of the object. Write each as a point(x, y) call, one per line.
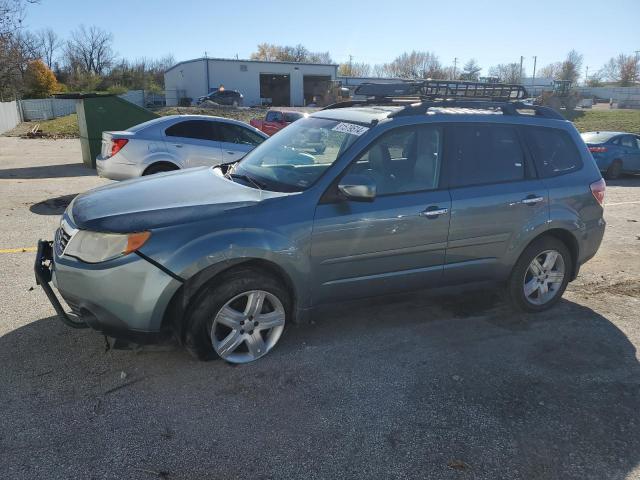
point(96, 247)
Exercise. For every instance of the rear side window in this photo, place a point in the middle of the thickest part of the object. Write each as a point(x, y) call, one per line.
point(481, 154)
point(200, 129)
point(553, 150)
point(273, 117)
point(237, 134)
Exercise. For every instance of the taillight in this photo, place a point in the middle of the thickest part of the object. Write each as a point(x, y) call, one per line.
point(598, 189)
point(117, 144)
point(597, 149)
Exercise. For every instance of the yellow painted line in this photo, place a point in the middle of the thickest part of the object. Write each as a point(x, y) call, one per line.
point(621, 203)
point(18, 250)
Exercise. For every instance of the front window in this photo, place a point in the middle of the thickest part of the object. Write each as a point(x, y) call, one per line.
point(297, 156)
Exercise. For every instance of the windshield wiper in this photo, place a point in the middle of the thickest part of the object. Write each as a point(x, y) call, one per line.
point(247, 178)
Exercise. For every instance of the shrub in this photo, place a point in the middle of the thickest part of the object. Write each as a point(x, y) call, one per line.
point(185, 102)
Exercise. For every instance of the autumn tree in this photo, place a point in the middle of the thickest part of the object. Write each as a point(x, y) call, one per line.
point(40, 82)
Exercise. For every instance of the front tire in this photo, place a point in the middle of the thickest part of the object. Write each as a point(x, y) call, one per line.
point(541, 275)
point(239, 317)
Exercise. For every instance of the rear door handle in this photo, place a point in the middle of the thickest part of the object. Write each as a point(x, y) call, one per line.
point(178, 145)
point(433, 212)
point(532, 200)
point(230, 152)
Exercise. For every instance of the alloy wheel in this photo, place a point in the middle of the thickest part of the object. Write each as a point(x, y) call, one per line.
point(544, 276)
point(248, 326)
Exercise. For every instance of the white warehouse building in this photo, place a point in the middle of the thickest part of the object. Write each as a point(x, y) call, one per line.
point(261, 82)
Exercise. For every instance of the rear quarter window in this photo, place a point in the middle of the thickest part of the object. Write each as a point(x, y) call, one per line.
point(553, 150)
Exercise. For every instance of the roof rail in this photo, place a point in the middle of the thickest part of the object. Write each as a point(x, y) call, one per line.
point(443, 89)
point(507, 108)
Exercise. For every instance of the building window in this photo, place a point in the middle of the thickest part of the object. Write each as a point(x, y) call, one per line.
point(243, 68)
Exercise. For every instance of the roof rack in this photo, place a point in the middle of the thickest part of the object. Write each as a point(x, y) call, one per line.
point(507, 108)
point(419, 97)
point(443, 89)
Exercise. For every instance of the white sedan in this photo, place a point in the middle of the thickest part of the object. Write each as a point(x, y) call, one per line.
point(175, 142)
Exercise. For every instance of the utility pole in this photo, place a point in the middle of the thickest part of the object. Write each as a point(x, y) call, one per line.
point(586, 76)
point(350, 65)
point(455, 64)
point(533, 79)
point(521, 60)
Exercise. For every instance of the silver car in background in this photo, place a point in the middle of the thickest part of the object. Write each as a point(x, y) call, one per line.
point(175, 142)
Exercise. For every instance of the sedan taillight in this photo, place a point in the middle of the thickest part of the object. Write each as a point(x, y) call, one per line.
point(598, 190)
point(117, 144)
point(597, 149)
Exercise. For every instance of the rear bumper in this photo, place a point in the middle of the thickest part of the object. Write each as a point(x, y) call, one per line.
point(125, 298)
point(114, 170)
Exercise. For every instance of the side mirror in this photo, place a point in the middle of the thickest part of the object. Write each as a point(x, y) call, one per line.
point(359, 188)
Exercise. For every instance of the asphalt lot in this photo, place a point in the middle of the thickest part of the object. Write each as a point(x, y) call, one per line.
point(415, 386)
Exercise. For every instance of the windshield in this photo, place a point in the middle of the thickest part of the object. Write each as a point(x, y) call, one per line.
point(294, 158)
point(597, 137)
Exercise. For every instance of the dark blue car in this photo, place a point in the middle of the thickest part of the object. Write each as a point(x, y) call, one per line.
point(614, 152)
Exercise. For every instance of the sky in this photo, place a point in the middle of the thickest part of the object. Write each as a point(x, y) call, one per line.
point(372, 31)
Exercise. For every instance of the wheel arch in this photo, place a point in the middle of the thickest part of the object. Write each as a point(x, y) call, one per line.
point(179, 306)
point(568, 239)
point(156, 163)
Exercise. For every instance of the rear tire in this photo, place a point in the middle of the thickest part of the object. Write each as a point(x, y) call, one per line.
point(203, 338)
point(159, 168)
point(614, 170)
point(537, 287)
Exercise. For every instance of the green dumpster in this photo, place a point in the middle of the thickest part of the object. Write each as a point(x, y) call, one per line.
point(102, 112)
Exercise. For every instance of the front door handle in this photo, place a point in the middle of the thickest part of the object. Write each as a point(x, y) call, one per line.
point(231, 153)
point(178, 145)
point(532, 200)
point(433, 212)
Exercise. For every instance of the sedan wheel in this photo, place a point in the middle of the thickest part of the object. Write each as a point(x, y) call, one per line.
point(544, 277)
point(248, 326)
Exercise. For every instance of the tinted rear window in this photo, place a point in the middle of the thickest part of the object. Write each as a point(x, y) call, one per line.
point(484, 154)
point(200, 129)
point(554, 151)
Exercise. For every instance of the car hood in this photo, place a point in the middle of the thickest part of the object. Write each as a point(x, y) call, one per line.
point(161, 200)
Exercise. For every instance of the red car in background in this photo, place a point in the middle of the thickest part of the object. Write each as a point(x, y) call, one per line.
point(275, 120)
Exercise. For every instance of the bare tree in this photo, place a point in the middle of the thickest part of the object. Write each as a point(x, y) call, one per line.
point(11, 16)
point(550, 71)
point(571, 67)
point(354, 69)
point(298, 53)
point(90, 50)
point(50, 44)
point(415, 65)
point(623, 70)
point(507, 72)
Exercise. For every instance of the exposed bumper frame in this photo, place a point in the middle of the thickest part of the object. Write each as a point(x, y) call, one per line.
point(43, 272)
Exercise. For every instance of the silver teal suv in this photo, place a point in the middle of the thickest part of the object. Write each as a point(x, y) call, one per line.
point(406, 193)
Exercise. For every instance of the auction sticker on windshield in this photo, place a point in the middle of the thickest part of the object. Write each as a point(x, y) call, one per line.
point(350, 128)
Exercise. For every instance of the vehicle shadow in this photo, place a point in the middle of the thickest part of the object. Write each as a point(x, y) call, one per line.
point(414, 386)
point(625, 180)
point(47, 171)
point(52, 206)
